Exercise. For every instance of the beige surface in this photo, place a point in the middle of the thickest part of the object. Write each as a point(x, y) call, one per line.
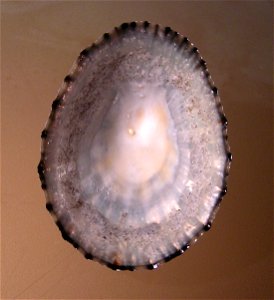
point(39, 43)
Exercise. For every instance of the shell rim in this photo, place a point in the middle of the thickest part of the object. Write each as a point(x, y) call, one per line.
point(182, 42)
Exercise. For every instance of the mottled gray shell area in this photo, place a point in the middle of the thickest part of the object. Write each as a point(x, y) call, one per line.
point(133, 52)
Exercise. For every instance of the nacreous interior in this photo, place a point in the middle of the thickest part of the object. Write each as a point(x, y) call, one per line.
point(135, 156)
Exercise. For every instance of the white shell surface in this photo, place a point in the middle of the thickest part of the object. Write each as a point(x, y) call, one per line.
point(135, 157)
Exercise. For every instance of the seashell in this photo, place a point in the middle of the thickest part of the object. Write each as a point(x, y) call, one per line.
point(134, 154)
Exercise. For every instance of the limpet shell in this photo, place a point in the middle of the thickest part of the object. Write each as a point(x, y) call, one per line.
point(134, 156)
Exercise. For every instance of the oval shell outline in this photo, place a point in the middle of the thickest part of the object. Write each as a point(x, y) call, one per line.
point(183, 43)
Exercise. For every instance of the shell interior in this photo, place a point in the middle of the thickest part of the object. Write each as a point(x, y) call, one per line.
point(134, 155)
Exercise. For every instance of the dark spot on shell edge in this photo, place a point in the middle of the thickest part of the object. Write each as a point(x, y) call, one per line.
point(65, 235)
point(44, 134)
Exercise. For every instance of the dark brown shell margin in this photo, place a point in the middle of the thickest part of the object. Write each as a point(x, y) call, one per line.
point(182, 43)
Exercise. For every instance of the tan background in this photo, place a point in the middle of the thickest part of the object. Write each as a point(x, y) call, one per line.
point(39, 43)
